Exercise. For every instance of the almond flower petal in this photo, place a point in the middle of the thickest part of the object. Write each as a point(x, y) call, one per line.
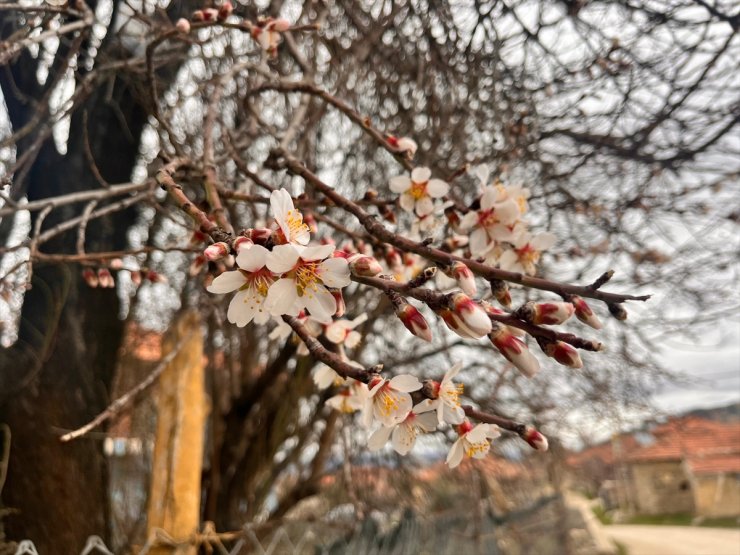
point(400, 184)
point(421, 175)
point(282, 258)
point(227, 282)
point(252, 257)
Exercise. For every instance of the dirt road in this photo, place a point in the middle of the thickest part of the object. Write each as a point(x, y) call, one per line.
point(676, 540)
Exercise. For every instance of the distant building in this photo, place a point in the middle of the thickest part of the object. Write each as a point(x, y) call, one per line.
point(687, 465)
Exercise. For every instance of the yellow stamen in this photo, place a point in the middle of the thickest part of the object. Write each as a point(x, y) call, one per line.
point(418, 190)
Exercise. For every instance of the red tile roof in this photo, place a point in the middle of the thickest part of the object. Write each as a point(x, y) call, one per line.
point(704, 444)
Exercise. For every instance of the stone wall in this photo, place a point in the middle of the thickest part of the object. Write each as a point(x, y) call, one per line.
point(717, 495)
point(661, 488)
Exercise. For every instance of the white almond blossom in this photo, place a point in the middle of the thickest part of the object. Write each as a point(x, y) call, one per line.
point(418, 190)
point(306, 275)
point(403, 435)
point(473, 442)
point(493, 222)
point(325, 376)
point(350, 399)
point(388, 401)
point(447, 403)
point(526, 252)
point(251, 281)
point(342, 332)
point(289, 219)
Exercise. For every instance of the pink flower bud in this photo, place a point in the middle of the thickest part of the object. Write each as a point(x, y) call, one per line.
point(242, 242)
point(535, 439)
point(115, 264)
point(197, 265)
point(464, 277)
point(552, 313)
point(136, 278)
point(90, 277)
point(414, 321)
point(224, 10)
point(515, 351)
point(362, 265)
point(155, 277)
point(216, 251)
point(105, 279)
point(341, 305)
point(210, 14)
point(473, 318)
point(465, 427)
point(183, 25)
point(280, 25)
point(407, 145)
point(565, 354)
point(584, 312)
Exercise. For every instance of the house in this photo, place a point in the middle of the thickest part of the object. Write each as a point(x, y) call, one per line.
point(692, 466)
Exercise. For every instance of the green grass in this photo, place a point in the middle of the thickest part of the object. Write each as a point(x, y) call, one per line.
point(621, 548)
point(602, 515)
point(683, 520)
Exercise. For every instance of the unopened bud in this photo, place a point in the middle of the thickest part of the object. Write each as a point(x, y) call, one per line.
point(535, 439)
point(242, 242)
point(260, 236)
point(90, 277)
point(618, 311)
point(414, 321)
point(500, 291)
point(105, 278)
point(115, 264)
point(224, 10)
point(210, 14)
point(136, 277)
point(515, 351)
point(584, 312)
point(280, 25)
point(565, 354)
point(473, 316)
point(341, 305)
point(183, 25)
point(216, 251)
point(197, 265)
point(546, 313)
point(362, 265)
point(155, 277)
point(464, 277)
point(198, 15)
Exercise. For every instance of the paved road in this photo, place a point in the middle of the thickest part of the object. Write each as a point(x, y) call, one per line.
point(676, 540)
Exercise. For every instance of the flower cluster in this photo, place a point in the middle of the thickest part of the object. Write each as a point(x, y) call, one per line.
point(291, 277)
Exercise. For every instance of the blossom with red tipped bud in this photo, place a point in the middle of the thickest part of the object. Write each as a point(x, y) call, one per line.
point(197, 265)
point(464, 277)
point(535, 439)
point(584, 312)
point(500, 291)
point(404, 144)
point(183, 25)
point(546, 313)
point(90, 277)
point(362, 265)
point(414, 321)
point(224, 10)
point(105, 278)
point(565, 354)
point(216, 251)
point(514, 350)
